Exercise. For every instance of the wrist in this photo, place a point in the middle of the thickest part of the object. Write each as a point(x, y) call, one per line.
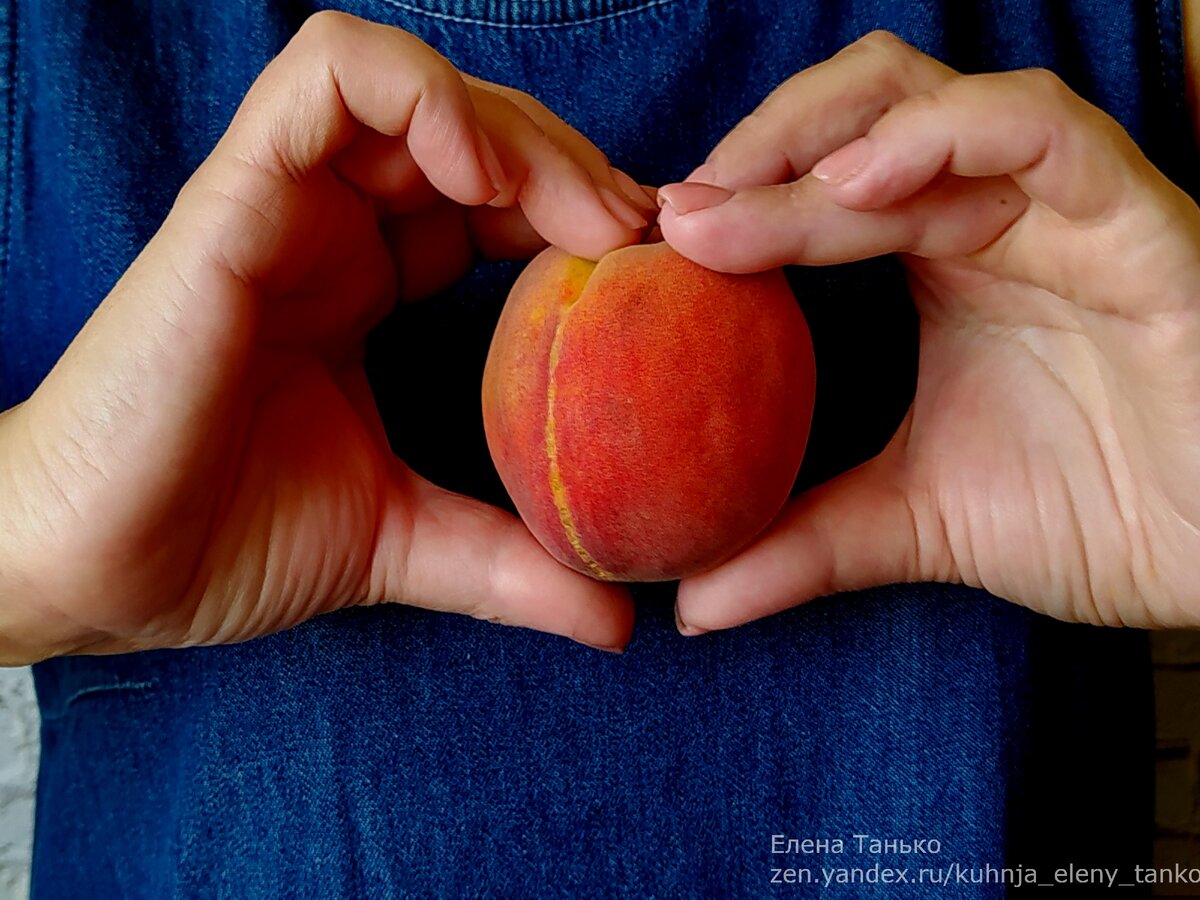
point(31, 629)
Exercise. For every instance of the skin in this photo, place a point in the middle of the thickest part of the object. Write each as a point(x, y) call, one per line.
point(1052, 452)
point(206, 464)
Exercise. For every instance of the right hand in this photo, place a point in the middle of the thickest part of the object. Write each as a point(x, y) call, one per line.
point(206, 462)
point(1051, 454)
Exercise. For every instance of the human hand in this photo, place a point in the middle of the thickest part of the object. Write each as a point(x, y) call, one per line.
point(206, 462)
point(1052, 452)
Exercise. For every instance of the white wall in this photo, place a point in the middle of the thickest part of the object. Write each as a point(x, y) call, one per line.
point(18, 771)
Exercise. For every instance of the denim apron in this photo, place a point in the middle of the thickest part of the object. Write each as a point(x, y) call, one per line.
point(393, 751)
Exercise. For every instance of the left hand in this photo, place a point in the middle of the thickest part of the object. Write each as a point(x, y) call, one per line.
point(1052, 452)
point(206, 463)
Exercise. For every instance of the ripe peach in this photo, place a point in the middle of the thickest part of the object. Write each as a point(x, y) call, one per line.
point(647, 415)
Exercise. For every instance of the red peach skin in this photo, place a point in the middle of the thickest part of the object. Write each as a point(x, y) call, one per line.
point(647, 415)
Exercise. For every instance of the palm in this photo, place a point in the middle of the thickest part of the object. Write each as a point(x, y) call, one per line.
point(301, 486)
point(287, 473)
point(1010, 454)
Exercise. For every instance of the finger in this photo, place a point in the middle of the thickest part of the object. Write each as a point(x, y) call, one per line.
point(1062, 151)
point(382, 166)
point(339, 74)
point(858, 531)
point(441, 551)
point(434, 248)
point(554, 188)
point(587, 154)
point(503, 233)
point(557, 175)
point(759, 228)
point(431, 249)
point(819, 110)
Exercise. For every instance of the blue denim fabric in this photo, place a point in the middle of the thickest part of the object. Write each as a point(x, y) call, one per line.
point(393, 751)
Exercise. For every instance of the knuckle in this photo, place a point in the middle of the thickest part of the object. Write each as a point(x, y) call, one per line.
point(883, 42)
point(326, 28)
point(438, 74)
point(1062, 105)
point(1045, 84)
point(442, 78)
point(887, 60)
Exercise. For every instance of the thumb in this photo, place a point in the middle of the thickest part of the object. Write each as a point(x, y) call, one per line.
point(799, 223)
point(439, 550)
point(858, 531)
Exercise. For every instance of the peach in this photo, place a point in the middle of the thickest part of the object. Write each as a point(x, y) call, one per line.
point(647, 415)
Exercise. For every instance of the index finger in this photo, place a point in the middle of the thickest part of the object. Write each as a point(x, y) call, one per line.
point(819, 110)
point(340, 73)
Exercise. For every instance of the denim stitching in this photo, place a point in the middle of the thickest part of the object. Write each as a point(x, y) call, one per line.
point(1162, 45)
point(96, 689)
point(1172, 64)
point(464, 20)
point(10, 152)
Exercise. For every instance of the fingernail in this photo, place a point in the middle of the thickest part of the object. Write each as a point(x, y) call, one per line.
point(706, 173)
point(605, 648)
point(692, 196)
point(685, 629)
point(845, 164)
point(634, 192)
point(621, 209)
point(490, 161)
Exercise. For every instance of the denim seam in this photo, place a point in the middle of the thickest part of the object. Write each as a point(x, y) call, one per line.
point(1172, 55)
point(1172, 62)
point(95, 689)
point(1162, 45)
point(464, 20)
point(10, 150)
